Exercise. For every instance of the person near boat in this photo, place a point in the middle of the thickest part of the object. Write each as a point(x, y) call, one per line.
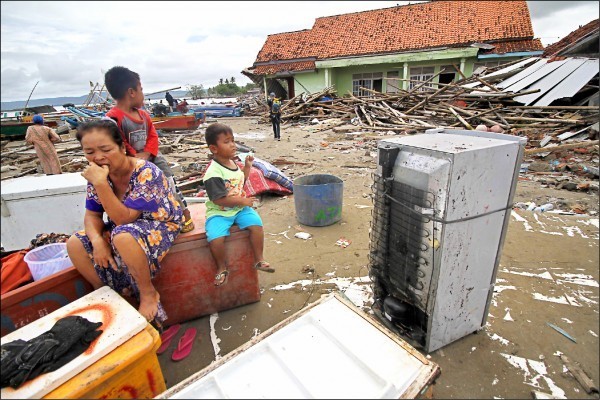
point(144, 219)
point(43, 138)
point(182, 107)
point(170, 101)
point(227, 203)
point(139, 135)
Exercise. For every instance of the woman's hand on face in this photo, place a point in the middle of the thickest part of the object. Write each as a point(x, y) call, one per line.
point(96, 174)
point(103, 253)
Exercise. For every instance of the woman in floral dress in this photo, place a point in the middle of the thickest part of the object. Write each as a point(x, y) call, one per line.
point(42, 138)
point(143, 219)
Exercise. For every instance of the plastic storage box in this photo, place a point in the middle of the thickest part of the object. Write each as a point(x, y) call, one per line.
point(31, 302)
point(40, 204)
point(186, 279)
point(46, 260)
point(130, 371)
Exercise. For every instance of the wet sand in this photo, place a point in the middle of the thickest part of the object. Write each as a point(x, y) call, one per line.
point(548, 273)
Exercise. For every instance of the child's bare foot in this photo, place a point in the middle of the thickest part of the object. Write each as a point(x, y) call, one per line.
point(149, 305)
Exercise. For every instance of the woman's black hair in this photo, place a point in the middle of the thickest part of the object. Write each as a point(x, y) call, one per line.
point(214, 130)
point(105, 123)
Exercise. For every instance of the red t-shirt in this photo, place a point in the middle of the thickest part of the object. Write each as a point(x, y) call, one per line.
point(138, 134)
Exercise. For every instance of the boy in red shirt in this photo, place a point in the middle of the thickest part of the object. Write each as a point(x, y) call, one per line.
point(139, 135)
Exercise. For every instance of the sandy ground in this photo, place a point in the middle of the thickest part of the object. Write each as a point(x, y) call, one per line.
point(548, 274)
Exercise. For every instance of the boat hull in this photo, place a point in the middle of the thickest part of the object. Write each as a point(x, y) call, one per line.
point(176, 123)
point(11, 130)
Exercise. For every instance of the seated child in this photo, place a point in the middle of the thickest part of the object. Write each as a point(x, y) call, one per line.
point(227, 204)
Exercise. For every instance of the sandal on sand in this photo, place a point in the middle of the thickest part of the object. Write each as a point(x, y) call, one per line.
point(221, 278)
point(188, 226)
point(166, 338)
point(264, 266)
point(184, 346)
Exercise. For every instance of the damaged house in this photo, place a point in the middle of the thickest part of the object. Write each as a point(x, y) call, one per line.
point(395, 48)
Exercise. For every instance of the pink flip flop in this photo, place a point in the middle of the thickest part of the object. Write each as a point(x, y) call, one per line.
point(184, 347)
point(166, 337)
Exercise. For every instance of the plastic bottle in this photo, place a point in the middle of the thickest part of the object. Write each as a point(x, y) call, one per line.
point(547, 207)
point(530, 206)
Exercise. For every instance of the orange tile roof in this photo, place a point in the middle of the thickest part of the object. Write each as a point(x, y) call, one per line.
point(403, 28)
point(285, 46)
point(514, 46)
point(572, 37)
point(271, 69)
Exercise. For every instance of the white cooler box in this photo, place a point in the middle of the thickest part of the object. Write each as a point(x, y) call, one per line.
point(41, 204)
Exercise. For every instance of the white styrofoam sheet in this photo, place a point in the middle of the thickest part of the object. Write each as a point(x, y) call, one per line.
point(329, 352)
point(120, 323)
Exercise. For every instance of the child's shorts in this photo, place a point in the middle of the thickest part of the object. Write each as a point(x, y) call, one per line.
point(218, 226)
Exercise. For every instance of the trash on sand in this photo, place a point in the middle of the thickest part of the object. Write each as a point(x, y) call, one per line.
point(303, 235)
point(561, 331)
point(343, 242)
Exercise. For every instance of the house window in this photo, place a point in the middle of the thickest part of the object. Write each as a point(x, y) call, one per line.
point(369, 80)
point(393, 85)
point(447, 74)
point(487, 64)
point(420, 74)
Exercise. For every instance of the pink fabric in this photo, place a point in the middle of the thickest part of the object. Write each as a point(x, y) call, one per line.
point(257, 184)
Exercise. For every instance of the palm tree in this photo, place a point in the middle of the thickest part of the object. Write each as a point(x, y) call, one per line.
point(226, 81)
point(232, 80)
point(221, 81)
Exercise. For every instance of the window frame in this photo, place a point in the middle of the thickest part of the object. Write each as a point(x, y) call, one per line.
point(418, 75)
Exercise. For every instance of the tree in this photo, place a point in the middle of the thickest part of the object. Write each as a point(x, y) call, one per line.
point(196, 91)
point(221, 81)
point(226, 81)
point(232, 80)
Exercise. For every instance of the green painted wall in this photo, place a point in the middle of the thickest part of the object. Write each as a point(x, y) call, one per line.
point(309, 82)
point(341, 77)
point(341, 70)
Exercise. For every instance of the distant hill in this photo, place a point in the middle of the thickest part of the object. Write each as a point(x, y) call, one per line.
point(59, 101)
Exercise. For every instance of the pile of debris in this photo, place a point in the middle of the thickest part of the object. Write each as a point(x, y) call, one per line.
point(253, 104)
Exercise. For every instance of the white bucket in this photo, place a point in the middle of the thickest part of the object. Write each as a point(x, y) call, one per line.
point(46, 260)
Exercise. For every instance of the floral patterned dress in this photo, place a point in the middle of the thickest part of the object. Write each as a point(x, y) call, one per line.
point(155, 230)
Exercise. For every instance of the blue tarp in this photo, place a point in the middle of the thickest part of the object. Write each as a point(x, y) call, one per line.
point(214, 110)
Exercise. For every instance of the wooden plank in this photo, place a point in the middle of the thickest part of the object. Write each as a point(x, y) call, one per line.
point(581, 377)
point(562, 147)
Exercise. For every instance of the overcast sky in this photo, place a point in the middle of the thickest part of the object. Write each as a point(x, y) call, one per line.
point(65, 45)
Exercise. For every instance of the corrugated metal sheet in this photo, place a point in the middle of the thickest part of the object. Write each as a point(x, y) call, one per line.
point(549, 81)
point(523, 74)
point(538, 74)
point(554, 80)
point(571, 84)
point(503, 71)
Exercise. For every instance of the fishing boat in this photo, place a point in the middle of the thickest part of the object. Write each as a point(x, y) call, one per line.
point(16, 129)
point(178, 121)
